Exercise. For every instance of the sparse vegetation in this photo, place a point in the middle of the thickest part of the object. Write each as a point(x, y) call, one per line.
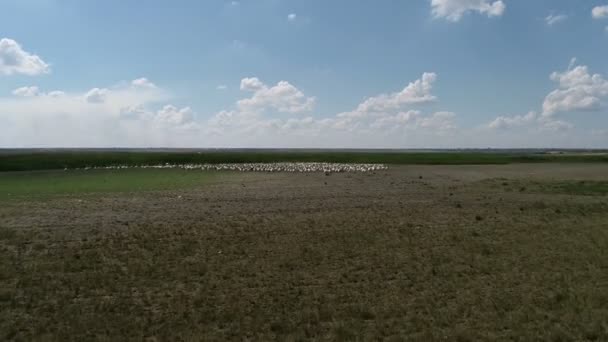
point(297, 257)
point(564, 187)
point(42, 184)
point(589, 188)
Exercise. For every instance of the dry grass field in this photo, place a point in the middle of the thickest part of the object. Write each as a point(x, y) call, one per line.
point(422, 253)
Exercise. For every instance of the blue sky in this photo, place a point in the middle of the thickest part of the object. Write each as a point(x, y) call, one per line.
point(304, 73)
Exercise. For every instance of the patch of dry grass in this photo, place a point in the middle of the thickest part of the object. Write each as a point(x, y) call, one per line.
point(305, 257)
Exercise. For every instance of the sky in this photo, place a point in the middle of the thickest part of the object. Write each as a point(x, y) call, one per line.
point(304, 73)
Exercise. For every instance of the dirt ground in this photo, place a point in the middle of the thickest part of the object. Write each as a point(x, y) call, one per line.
point(457, 253)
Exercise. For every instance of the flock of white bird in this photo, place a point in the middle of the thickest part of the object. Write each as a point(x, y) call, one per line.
point(261, 167)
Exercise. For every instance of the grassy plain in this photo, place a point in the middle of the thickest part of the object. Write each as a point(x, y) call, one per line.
point(457, 253)
point(37, 184)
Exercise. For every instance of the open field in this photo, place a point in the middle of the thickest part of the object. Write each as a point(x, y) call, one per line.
point(419, 252)
point(36, 184)
point(35, 160)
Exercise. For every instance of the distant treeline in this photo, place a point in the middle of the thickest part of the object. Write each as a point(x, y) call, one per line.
point(82, 159)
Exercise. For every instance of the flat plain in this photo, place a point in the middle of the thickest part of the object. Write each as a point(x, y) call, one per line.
point(415, 252)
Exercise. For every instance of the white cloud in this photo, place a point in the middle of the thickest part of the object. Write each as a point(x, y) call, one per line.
point(33, 91)
point(292, 17)
point(283, 97)
point(136, 116)
point(27, 91)
point(78, 104)
point(454, 10)
point(578, 90)
point(221, 87)
point(374, 122)
point(128, 116)
point(553, 19)
point(529, 121)
point(167, 116)
point(172, 115)
point(143, 83)
point(552, 124)
point(439, 122)
point(96, 95)
point(600, 12)
point(251, 84)
point(397, 120)
point(417, 92)
point(56, 93)
point(506, 122)
point(378, 121)
point(15, 60)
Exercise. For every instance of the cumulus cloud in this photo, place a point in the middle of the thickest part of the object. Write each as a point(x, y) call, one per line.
point(417, 92)
point(33, 91)
point(15, 60)
point(439, 122)
point(532, 120)
point(399, 119)
point(143, 83)
point(292, 17)
point(553, 19)
point(375, 122)
point(141, 116)
point(251, 84)
point(454, 10)
point(172, 115)
point(283, 97)
point(96, 95)
point(552, 124)
point(27, 91)
point(578, 90)
point(507, 122)
point(599, 12)
point(168, 115)
point(137, 114)
point(393, 111)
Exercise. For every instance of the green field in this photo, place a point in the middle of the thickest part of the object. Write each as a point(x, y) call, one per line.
point(80, 159)
point(75, 182)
